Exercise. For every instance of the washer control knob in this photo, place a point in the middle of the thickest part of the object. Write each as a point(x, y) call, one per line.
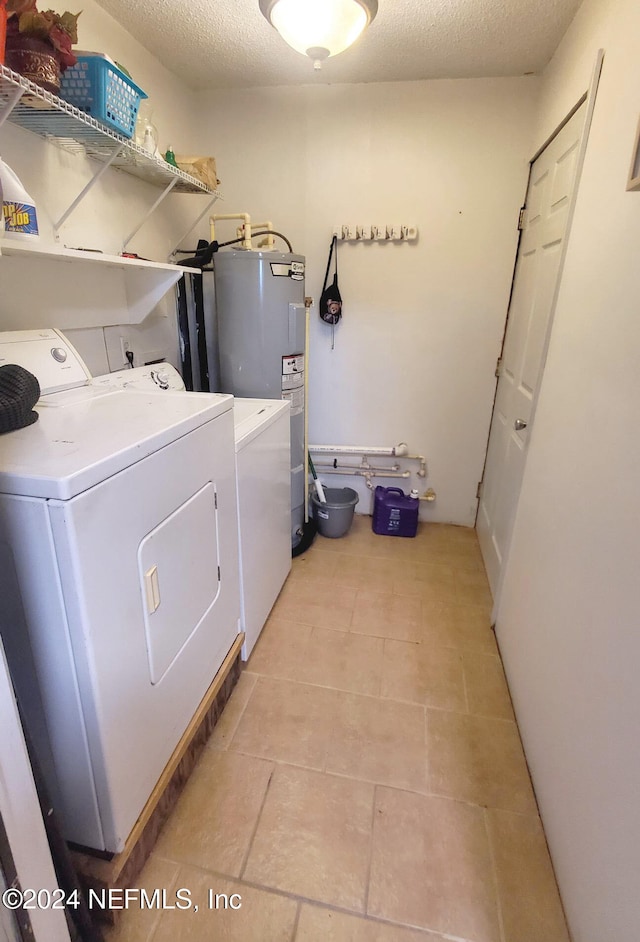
point(160, 378)
point(59, 354)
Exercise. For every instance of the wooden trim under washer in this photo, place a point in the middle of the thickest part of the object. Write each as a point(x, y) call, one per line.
point(121, 870)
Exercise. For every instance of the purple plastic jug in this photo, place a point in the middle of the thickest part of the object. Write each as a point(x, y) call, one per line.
point(394, 513)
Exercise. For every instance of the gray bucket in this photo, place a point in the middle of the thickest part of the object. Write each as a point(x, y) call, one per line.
point(335, 517)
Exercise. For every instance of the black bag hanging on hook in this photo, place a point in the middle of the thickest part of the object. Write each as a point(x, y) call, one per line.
point(330, 299)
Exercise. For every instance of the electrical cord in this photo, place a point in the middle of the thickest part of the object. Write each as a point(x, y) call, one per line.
point(203, 256)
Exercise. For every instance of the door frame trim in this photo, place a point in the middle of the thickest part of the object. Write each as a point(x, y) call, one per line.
point(563, 124)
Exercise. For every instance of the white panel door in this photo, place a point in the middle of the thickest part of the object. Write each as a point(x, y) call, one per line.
point(549, 199)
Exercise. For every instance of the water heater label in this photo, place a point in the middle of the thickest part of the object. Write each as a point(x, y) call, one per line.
point(293, 364)
point(296, 399)
point(294, 270)
point(293, 382)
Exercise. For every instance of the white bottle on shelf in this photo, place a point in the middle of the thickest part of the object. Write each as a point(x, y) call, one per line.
point(150, 140)
point(19, 218)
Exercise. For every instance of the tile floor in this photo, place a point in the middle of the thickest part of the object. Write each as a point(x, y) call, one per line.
point(366, 782)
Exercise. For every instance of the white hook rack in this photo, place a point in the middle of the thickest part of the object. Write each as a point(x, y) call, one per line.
point(377, 232)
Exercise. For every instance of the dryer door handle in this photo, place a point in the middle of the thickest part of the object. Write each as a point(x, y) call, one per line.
point(152, 589)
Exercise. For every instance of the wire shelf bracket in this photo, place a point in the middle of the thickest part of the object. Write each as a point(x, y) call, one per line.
point(149, 212)
point(192, 227)
point(81, 195)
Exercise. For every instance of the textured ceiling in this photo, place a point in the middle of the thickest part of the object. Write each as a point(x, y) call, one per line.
point(228, 43)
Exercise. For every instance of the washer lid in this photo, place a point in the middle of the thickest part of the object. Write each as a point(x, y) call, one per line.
point(85, 435)
point(251, 416)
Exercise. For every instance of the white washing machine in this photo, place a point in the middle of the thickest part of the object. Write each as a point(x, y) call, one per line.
point(263, 475)
point(262, 431)
point(119, 562)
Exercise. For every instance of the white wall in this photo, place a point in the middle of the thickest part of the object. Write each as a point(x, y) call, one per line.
point(569, 618)
point(118, 202)
point(415, 353)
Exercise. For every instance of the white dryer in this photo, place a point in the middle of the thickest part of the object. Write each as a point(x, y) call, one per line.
point(119, 563)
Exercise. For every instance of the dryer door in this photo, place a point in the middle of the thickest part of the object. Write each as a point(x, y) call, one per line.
point(179, 577)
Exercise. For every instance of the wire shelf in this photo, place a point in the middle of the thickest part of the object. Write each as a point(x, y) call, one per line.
point(27, 105)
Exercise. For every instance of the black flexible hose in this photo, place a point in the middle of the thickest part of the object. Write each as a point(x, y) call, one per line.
point(204, 256)
point(273, 232)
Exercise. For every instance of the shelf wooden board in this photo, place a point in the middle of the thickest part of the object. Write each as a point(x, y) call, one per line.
point(44, 285)
point(36, 249)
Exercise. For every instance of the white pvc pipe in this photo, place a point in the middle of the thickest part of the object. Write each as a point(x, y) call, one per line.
point(422, 472)
point(268, 242)
point(363, 466)
point(368, 472)
point(397, 451)
point(246, 219)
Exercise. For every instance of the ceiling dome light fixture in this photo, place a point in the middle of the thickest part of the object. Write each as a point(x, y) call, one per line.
point(319, 28)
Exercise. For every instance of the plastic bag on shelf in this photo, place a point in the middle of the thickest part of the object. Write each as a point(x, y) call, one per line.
point(202, 168)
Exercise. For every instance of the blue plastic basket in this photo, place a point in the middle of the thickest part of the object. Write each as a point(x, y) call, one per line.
point(98, 87)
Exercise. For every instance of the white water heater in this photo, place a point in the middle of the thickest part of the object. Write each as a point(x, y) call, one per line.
point(261, 337)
